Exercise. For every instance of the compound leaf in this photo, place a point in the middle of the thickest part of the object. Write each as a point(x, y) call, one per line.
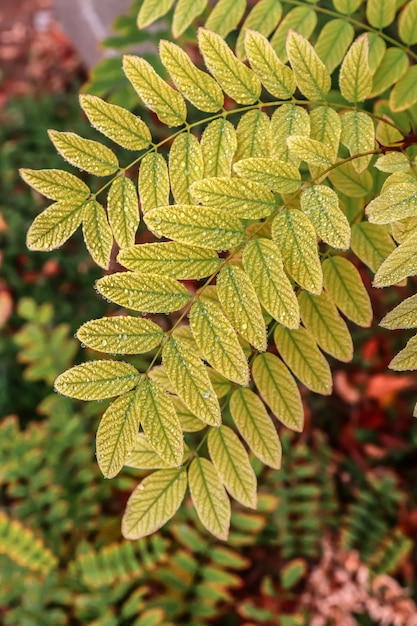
point(87, 155)
point(273, 173)
point(244, 198)
point(334, 39)
point(403, 316)
point(321, 205)
point(311, 74)
point(56, 184)
point(121, 334)
point(371, 243)
point(355, 78)
point(123, 211)
point(186, 165)
point(406, 359)
point(97, 233)
point(96, 380)
point(51, 228)
point(344, 285)
point(209, 497)
point(219, 144)
point(225, 16)
point(153, 182)
point(276, 77)
point(358, 135)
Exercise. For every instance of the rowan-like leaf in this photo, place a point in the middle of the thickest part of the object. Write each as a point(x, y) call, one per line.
point(392, 67)
point(241, 305)
point(396, 203)
point(96, 380)
point(255, 425)
point(85, 154)
point(123, 211)
point(97, 233)
point(321, 318)
point(262, 18)
point(326, 127)
point(189, 422)
point(185, 13)
point(151, 10)
point(347, 180)
point(186, 165)
point(403, 316)
point(56, 184)
point(380, 13)
point(209, 497)
point(302, 20)
point(231, 461)
point(355, 78)
point(243, 198)
point(344, 285)
point(371, 243)
point(196, 225)
point(121, 334)
point(300, 352)
point(310, 150)
point(225, 16)
point(404, 94)
point(358, 135)
point(311, 74)
point(235, 78)
point(153, 182)
point(393, 162)
point(273, 173)
point(407, 23)
point(115, 122)
point(150, 293)
point(159, 97)
point(190, 380)
point(334, 39)
point(51, 228)
point(279, 390)
point(400, 264)
point(276, 77)
point(321, 205)
point(406, 359)
point(346, 6)
point(154, 501)
point(143, 456)
point(218, 342)
point(253, 135)
point(219, 144)
point(171, 259)
point(263, 263)
point(287, 120)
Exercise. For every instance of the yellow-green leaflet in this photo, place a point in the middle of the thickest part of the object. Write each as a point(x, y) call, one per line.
point(244, 198)
point(279, 390)
point(116, 434)
point(392, 67)
point(404, 94)
point(85, 154)
point(154, 501)
point(294, 234)
point(326, 127)
point(358, 135)
point(97, 233)
point(123, 211)
point(321, 318)
point(406, 359)
point(371, 243)
point(51, 228)
point(186, 165)
point(225, 16)
point(150, 293)
point(241, 305)
point(321, 205)
point(396, 203)
point(189, 423)
point(209, 497)
point(334, 39)
point(159, 421)
point(143, 456)
point(355, 78)
point(376, 51)
point(97, 379)
point(117, 123)
point(218, 341)
point(231, 460)
point(153, 182)
point(273, 173)
point(276, 77)
point(185, 13)
point(197, 86)
point(235, 78)
point(151, 10)
point(348, 181)
point(300, 352)
point(403, 316)
point(263, 263)
point(400, 264)
point(190, 380)
point(56, 184)
point(253, 135)
point(407, 23)
point(171, 259)
point(400, 231)
point(344, 285)
point(310, 150)
point(301, 19)
point(121, 334)
point(346, 6)
point(393, 162)
point(311, 74)
point(380, 13)
point(218, 143)
point(396, 179)
point(255, 425)
point(158, 374)
point(201, 226)
point(287, 120)
point(262, 18)
point(166, 102)
point(220, 384)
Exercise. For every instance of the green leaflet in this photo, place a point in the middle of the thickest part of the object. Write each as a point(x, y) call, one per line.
point(143, 456)
point(123, 211)
point(276, 77)
point(255, 425)
point(400, 264)
point(185, 13)
point(358, 135)
point(97, 233)
point(393, 162)
point(200, 226)
point(287, 120)
point(311, 74)
point(225, 16)
point(116, 434)
point(344, 285)
point(326, 127)
point(392, 67)
point(143, 292)
point(56, 184)
point(253, 135)
point(355, 78)
point(321, 318)
point(51, 228)
point(189, 423)
point(404, 94)
point(310, 150)
point(153, 182)
point(300, 352)
point(85, 154)
point(279, 390)
point(231, 461)
point(190, 380)
point(241, 305)
point(403, 316)
point(154, 501)
point(186, 165)
point(348, 181)
point(407, 23)
point(151, 10)
point(273, 173)
point(371, 243)
point(218, 341)
point(301, 19)
point(294, 234)
point(406, 359)
point(197, 86)
point(263, 263)
point(209, 497)
point(121, 335)
point(244, 198)
point(321, 205)
point(97, 379)
point(334, 39)
point(115, 122)
point(218, 143)
point(396, 203)
point(171, 259)
point(159, 421)
point(235, 78)
point(263, 18)
point(158, 96)
point(346, 6)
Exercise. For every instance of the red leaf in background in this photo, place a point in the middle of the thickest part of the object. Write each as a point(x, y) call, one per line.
point(6, 306)
point(384, 387)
